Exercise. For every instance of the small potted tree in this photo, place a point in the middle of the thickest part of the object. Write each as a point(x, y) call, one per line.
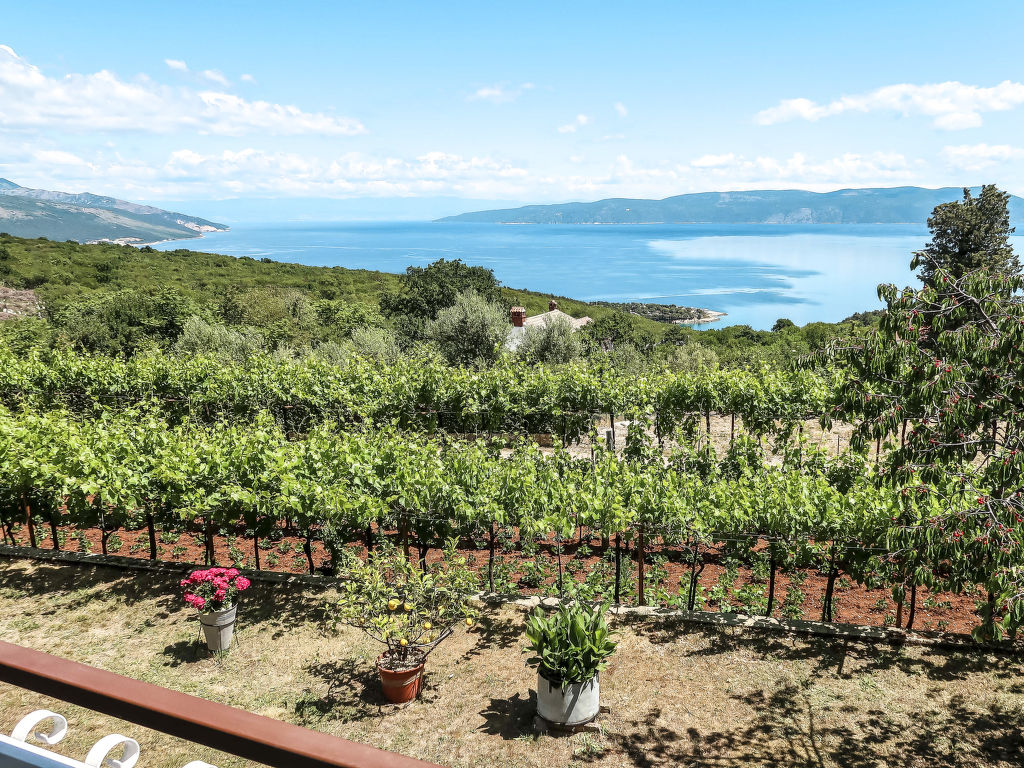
point(409, 610)
point(570, 648)
point(214, 593)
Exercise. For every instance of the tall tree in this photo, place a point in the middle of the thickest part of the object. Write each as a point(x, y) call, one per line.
point(942, 378)
point(425, 291)
point(969, 234)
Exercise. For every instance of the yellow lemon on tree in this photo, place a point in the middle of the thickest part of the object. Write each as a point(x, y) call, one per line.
point(407, 606)
point(469, 622)
point(392, 605)
point(427, 625)
point(403, 642)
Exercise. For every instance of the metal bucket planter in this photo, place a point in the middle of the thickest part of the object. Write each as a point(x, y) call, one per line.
point(402, 686)
point(219, 627)
point(569, 705)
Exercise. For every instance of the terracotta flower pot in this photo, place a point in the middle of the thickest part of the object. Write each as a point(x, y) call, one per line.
point(403, 686)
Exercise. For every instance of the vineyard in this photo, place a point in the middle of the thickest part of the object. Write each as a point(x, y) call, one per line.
point(315, 463)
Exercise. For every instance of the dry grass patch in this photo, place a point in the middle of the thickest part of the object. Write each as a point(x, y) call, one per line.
point(678, 694)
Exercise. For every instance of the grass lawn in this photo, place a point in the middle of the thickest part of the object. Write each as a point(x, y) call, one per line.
point(678, 695)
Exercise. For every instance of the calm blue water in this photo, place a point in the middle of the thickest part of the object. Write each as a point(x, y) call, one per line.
point(755, 273)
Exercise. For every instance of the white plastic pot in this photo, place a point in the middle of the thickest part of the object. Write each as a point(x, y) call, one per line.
point(571, 704)
point(219, 627)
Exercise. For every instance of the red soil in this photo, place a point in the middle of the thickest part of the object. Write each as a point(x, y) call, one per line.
point(853, 603)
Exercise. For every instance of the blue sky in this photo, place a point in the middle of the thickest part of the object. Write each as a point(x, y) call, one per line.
point(527, 102)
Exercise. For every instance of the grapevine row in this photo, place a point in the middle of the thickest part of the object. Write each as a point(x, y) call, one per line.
point(137, 469)
point(411, 394)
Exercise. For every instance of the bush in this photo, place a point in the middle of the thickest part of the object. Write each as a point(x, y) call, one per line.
point(199, 337)
point(553, 342)
point(472, 330)
point(379, 343)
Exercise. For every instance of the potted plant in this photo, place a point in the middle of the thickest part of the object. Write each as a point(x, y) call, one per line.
point(214, 593)
point(408, 609)
point(570, 648)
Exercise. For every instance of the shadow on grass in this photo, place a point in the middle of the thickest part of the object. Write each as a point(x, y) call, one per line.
point(496, 631)
point(830, 656)
point(789, 729)
point(68, 587)
point(510, 718)
point(353, 693)
point(184, 652)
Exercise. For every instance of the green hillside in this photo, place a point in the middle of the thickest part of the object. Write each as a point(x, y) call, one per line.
point(86, 217)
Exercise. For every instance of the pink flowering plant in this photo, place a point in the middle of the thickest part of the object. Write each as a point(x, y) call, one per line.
point(213, 589)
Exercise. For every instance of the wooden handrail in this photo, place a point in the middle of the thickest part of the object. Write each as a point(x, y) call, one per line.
point(235, 731)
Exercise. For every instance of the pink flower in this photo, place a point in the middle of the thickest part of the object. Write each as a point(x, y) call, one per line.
point(242, 583)
point(231, 573)
point(199, 602)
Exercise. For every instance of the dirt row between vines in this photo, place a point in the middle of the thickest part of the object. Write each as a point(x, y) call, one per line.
point(852, 603)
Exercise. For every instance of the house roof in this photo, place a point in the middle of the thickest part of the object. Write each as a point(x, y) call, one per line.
point(547, 317)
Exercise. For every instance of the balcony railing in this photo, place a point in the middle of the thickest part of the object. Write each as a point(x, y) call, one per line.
point(235, 731)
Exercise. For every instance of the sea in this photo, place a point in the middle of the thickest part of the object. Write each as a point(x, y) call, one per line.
point(755, 274)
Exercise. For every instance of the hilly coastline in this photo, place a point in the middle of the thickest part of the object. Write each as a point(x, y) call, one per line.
point(88, 218)
point(895, 205)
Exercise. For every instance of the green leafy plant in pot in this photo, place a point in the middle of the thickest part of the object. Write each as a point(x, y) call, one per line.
point(570, 648)
point(409, 610)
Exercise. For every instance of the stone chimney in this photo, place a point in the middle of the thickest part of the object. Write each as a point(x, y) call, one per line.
point(552, 305)
point(518, 315)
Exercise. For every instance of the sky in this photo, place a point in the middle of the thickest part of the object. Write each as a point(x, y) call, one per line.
point(524, 102)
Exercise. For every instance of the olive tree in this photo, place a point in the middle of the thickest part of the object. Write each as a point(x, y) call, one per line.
point(471, 330)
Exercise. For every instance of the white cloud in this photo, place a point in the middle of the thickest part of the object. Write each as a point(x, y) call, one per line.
point(500, 93)
point(952, 105)
point(216, 76)
point(59, 157)
point(975, 157)
point(714, 161)
point(176, 64)
point(621, 109)
point(579, 122)
point(247, 78)
point(248, 171)
point(254, 172)
point(104, 102)
point(848, 168)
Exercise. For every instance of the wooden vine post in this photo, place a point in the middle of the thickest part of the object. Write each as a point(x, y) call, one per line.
point(640, 565)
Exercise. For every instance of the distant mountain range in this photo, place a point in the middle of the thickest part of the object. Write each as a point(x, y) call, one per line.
point(90, 218)
point(895, 205)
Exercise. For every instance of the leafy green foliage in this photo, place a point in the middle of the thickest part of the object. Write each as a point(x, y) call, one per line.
point(424, 291)
point(409, 610)
point(944, 372)
point(555, 342)
point(571, 645)
point(471, 331)
point(968, 235)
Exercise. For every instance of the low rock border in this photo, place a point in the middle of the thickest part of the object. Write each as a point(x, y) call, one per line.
point(835, 631)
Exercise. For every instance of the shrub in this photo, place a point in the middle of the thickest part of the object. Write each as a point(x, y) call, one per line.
point(471, 330)
point(554, 342)
point(199, 337)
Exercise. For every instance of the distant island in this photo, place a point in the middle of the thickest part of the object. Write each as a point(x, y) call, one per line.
point(891, 205)
point(88, 218)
